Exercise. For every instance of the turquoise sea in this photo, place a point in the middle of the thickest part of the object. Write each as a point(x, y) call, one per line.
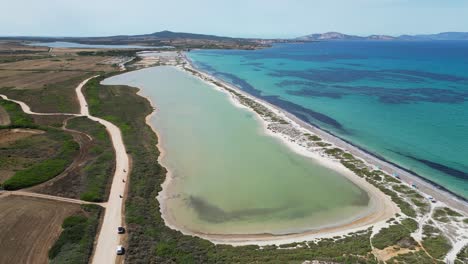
point(403, 101)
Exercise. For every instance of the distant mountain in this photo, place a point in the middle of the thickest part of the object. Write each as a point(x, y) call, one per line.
point(162, 39)
point(330, 36)
point(340, 36)
point(180, 35)
point(439, 36)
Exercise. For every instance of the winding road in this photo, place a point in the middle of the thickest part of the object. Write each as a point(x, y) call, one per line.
point(108, 238)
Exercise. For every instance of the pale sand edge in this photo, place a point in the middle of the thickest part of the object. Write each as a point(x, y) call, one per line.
point(380, 210)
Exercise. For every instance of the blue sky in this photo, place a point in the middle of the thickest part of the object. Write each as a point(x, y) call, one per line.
point(242, 18)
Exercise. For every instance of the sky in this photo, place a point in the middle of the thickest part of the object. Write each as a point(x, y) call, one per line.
point(236, 18)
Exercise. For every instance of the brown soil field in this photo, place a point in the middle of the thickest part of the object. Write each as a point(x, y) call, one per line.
point(65, 62)
point(4, 117)
point(30, 226)
point(50, 120)
point(25, 79)
point(12, 135)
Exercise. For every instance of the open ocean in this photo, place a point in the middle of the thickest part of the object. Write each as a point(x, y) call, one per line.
point(403, 101)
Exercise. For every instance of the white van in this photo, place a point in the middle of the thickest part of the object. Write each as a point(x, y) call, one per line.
point(120, 250)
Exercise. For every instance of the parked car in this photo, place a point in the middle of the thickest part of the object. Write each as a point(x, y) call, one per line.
point(120, 230)
point(120, 250)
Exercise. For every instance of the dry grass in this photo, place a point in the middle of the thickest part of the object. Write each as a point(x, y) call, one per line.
point(4, 117)
point(8, 136)
point(35, 79)
point(30, 227)
point(46, 80)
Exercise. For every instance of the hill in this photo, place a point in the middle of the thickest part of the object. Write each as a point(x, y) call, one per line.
point(341, 36)
point(158, 39)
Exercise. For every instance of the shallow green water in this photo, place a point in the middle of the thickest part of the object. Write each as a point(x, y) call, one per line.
point(229, 177)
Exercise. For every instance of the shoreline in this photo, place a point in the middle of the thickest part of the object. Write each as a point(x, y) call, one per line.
point(369, 222)
point(380, 208)
point(426, 186)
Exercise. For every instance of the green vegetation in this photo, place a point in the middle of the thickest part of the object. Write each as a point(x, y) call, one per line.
point(435, 243)
point(96, 173)
point(56, 97)
point(399, 234)
point(323, 144)
point(443, 214)
point(75, 243)
point(18, 118)
point(312, 137)
point(462, 256)
point(48, 168)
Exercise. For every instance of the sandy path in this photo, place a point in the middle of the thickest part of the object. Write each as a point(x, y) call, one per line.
point(52, 197)
point(108, 238)
point(27, 109)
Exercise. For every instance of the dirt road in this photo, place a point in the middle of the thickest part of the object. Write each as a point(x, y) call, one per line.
point(108, 238)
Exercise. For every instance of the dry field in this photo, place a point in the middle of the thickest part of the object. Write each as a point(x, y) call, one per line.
point(4, 117)
point(46, 78)
point(30, 227)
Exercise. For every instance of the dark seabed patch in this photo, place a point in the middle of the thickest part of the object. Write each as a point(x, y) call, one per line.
point(213, 214)
point(256, 64)
point(303, 57)
point(385, 95)
point(334, 75)
point(313, 93)
point(339, 75)
point(429, 75)
point(301, 112)
point(437, 166)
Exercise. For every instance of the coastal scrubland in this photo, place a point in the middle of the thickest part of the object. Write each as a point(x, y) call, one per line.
point(101, 160)
point(75, 244)
point(24, 157)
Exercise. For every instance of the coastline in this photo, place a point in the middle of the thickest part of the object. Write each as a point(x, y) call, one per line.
point(380, 208)
point(428, 187)
point(374, 222)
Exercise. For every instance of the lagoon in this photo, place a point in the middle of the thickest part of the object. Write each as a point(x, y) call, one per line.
point(64, 44)
point(227, 175)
